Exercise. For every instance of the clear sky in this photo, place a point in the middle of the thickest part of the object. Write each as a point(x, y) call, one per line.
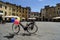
point(35, 5)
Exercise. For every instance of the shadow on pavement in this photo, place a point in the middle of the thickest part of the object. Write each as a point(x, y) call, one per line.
point(10, 36)
point(27, 34)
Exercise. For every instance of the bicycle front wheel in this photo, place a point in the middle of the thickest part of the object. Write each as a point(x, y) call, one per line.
point(15, 29)
point(32, 28)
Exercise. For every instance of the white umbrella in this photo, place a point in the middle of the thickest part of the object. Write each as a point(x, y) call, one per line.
point(56, 18)
point(31, 18)
point(23, 18)
point(1, 13)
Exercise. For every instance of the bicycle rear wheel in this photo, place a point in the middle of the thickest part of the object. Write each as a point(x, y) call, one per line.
point(15, 29)
point(32, 28)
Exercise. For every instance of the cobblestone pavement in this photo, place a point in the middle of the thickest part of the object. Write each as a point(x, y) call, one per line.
point(46, 31)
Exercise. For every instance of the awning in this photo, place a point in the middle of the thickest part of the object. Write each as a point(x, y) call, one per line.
point(56, 18)
point(11, 16)
point(1, 13)
point(23, 18)
point(31, 18)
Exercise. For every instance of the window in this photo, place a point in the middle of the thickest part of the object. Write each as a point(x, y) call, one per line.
point(5, 7)
point(26, 8)
point(58, 8)
point(5, 13)
point(13, 9)
point(20, 7)
point(23, 11)
point(26, 12)
point(13, 14)
point(23, 8)
point(22, 15)
point(0, 5)
point(20, 11)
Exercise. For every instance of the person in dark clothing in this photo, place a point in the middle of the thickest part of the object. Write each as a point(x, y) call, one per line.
point(1, 18)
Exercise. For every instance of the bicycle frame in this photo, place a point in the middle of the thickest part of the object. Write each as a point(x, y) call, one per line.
point(22, 25)
point(27, 24)
point(29, 27)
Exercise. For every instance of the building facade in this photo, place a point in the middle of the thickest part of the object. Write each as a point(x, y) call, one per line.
point(8, 9)
point(47, 13)
point(57, 9)
point(35, 15)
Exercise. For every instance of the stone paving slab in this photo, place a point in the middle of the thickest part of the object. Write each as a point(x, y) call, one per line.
point(46, 31)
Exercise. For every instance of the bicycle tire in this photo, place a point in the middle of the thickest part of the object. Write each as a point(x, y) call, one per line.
point(31, 30)
point(17, 30)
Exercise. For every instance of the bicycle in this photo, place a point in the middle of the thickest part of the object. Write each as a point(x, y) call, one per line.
point(30, 28)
